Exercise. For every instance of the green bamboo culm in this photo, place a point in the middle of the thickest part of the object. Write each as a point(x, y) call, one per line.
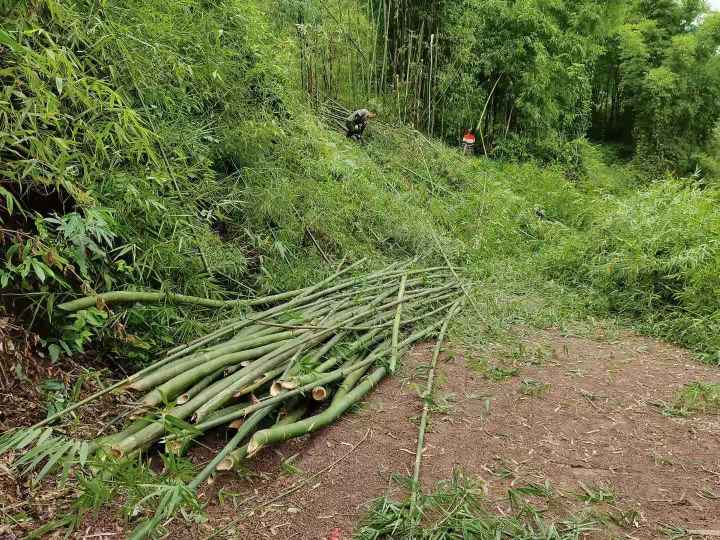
point(427, 395)
point(284, 432)
point(156, 297)
point(396, 325)
point(235, 458)
point(333, 342)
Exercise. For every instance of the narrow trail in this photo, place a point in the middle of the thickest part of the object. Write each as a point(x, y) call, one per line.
point(596, 422)
point(599, 423)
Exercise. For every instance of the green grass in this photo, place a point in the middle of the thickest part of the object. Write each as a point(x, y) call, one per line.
point(288, 466)
point(695, 398)
point(458, 509)
point(593, 494)
point(493, 372)
point(533, 388)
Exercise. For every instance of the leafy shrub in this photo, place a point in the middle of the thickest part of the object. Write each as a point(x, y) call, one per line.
point(653, 256)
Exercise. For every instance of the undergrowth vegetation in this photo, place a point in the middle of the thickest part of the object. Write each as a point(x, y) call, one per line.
point(170, 145)
point(695, 397)
point(457, 509)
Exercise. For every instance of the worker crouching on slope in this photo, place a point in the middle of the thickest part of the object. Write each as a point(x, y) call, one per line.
point(357, 122)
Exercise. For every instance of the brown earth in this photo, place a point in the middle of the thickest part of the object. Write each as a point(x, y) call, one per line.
point(597, 421)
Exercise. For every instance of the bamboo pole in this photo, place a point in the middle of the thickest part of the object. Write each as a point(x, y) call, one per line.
point(282, 433)
point(184, 380)
point(235, 458)
point(310, 293)
point(325, 379)
point(482, 116)
point(426, 405)
point(127, 297)
point(183, 365)
point(396, 325)
point(243, 432)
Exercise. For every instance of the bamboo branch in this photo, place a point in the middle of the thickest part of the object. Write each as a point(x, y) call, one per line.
point(396, 325)
point(426, 406)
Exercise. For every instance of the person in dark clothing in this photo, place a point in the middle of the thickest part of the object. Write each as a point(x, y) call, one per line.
point(356, 123)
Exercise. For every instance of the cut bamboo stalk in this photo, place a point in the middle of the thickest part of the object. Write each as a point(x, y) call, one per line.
point(235, 382)
point(247, 428)
point(426, 406)
point(175, 386)
point(277, 434)
point(258, 383)
point(324, 379)
point(132, 297)
point(311, 293)
point(396, 326)
point(235, 458)
point(320, 393)
point(184, 365)
point(217, 394)
point(240, 378)
point(199, 386)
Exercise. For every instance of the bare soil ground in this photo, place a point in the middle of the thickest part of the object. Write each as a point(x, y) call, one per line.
point(595, 420)
point(598, 423)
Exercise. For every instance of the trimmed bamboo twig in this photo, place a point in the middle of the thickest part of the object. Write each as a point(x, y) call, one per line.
point(426, 406)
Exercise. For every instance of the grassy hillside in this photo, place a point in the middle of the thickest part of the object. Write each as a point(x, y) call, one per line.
point(170, 145)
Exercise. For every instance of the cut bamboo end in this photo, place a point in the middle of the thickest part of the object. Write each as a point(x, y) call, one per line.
point(139, 413)
point(253, 447)
point(227, 464)
point(289, 385)
point(319, 393)
point(236, 424)
point(116, 452)
point(183, 398)
point(174, 447)
point(150, 401)
point(275, 389)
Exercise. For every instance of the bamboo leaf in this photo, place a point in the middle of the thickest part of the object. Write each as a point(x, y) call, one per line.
point(51, 462)
point(32, 434)
point(71, 458)
point(84, 451)
point(39, 446)
point(43, 453)
point(67, 464)
point(39, 271)
point(11, 440)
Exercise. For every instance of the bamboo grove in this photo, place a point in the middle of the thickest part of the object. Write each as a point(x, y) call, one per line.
point(530, 77)
point(291, 368)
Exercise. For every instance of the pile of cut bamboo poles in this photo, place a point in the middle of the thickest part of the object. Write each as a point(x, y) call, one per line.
point(281, 372)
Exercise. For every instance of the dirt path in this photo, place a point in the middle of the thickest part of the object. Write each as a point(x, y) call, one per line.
point(599, 423)
point(596, 421)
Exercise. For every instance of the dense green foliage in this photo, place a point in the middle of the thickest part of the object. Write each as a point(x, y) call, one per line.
point(531, 77)
point(171, 145)
point(658, 83)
